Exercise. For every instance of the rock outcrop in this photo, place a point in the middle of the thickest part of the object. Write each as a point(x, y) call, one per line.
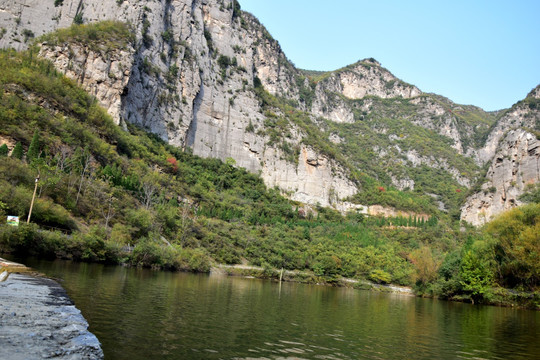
point(367, 78)
point(188, 78)
point(104, 75)
point(39, 320)
point(514, 156)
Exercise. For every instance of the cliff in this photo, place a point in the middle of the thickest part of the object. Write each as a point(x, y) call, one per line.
point(204, 75)
point(512, 151)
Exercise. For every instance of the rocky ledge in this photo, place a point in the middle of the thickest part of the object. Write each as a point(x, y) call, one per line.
point(38, 320)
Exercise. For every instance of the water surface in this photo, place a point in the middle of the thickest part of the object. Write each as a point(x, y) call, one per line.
point(144, 314)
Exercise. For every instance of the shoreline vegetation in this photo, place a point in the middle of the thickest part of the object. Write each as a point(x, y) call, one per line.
point(498, 296)
point(126, 197)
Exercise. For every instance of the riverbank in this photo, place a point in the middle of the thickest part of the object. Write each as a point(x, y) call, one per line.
point(497, 296)
point(39, 320)
point(307, 278)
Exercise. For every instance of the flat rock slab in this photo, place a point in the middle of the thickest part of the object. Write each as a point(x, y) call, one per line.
point(39, 321)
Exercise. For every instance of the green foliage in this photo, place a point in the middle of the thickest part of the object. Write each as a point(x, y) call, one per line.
point(531, 194)
point(517, 246)
point(236, 9)
point(78, 19)
point(250, 128)
point(27, 34)
point(380, 276)
point(33, 149)
point(101, 36)
point(476, 275)
point(58, 3)
point(172, 74)
point(225, 61)
point(208, 37)
point(17, 152)
point(167, 36)
point(4, 150)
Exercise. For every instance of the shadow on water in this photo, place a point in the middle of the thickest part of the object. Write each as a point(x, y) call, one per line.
point(141, 314)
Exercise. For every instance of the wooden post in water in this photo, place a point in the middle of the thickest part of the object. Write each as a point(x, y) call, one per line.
point(281, 275)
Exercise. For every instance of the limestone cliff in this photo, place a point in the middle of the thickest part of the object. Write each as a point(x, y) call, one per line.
point(191, 75)
point(188, 77)
point(513, 152)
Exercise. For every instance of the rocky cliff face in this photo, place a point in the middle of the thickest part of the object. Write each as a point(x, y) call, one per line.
point(190, 76)
point(513, 152)
point(104, 75)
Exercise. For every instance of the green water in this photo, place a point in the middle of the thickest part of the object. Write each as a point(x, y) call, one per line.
point(144, 314)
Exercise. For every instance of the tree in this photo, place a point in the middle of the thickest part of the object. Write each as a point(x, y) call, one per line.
point(17, 152)
point(150, 185)
point(476, 275)
point(426, 265)
point(4, 150)
point(517, 247)
point(84, 159)
point(33, 150)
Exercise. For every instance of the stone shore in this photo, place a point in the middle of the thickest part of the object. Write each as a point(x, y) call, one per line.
point(38, 320)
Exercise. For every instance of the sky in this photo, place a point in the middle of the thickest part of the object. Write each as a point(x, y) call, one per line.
point(475, 52)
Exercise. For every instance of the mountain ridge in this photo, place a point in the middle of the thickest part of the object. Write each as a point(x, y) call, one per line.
point(191, 76)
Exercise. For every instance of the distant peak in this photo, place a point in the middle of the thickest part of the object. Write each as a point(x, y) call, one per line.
point(535, 93)
point(371, 61)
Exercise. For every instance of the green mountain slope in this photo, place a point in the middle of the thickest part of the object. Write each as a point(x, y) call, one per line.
point(112, 190)
point(111, 195)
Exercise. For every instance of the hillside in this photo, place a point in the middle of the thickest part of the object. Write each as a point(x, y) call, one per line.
point(209, 77)
point(124, 196)
point(115, 190)
point(181, 137)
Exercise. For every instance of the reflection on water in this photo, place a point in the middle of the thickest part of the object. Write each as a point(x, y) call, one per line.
point(142, 314)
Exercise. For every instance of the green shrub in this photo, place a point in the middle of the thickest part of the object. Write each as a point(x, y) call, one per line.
point(4, 150)
point(78, 19)
point(380, 276)
point(17, 152)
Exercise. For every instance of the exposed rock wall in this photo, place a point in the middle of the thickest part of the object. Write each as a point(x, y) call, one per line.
point(103, 75)
point(514, 156)
point(515, 165)
point(188, 78)
point(364, 78)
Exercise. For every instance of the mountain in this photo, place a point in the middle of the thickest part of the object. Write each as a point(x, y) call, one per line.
point(512, 151)
point(206, 76)
point(113, 114)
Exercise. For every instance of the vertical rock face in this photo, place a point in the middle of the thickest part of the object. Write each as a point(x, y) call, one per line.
point(103, 75)
point(514, 156)
point(189, 77)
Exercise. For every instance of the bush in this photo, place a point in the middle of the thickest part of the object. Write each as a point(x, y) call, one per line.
point(4, 150)
point(380, 276)
point(17, 152)
point(147, 253)
point(476, 275)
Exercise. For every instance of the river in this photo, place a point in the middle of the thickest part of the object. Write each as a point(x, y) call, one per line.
point(145, 314)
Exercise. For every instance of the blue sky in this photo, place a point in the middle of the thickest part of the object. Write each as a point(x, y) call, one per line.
point(484, 53)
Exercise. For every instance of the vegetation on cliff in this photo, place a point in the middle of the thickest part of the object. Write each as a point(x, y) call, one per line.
point(116, 196)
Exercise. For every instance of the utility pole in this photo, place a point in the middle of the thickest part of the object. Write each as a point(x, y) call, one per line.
point(33, 197)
